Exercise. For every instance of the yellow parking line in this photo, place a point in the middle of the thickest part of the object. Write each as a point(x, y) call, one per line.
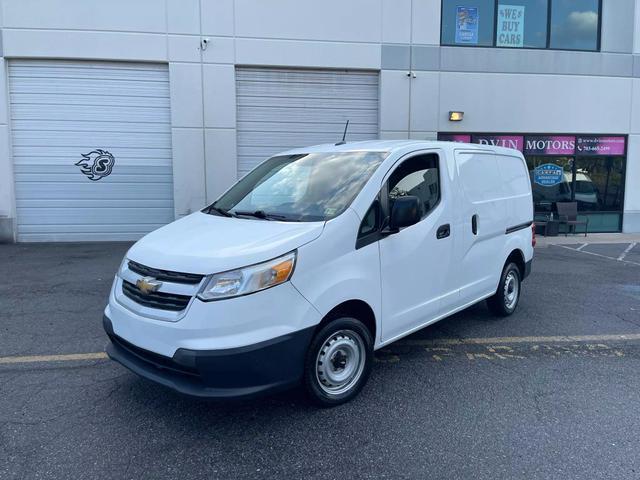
point(507, 340)
point(53, 358)
point(407, 342)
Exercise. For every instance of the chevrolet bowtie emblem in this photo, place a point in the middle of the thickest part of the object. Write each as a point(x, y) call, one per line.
point(148, 285)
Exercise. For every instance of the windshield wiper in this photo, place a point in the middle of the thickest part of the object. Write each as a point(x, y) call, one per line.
point(219, 210)
point(261, 214)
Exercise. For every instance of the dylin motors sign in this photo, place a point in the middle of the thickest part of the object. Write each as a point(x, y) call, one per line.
point(581, 145)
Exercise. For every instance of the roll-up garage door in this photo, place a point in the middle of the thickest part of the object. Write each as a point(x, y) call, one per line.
point(91, 149)
point(279, 109)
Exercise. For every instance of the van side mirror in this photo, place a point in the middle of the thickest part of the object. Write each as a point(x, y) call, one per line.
point(406, 211)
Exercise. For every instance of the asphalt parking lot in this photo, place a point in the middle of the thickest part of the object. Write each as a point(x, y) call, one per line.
point(551, 392)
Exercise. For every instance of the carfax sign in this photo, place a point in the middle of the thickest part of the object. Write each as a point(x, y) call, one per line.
point(510, 26)
point(548, 175)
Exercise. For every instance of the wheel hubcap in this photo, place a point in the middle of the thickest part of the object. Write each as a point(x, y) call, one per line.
point(511, 290)
point(340, 362)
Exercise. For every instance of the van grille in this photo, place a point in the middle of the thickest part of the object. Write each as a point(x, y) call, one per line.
point(165, 275)
point(161, 300)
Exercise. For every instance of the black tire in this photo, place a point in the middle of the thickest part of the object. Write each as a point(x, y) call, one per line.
point(338, 342)
point(505, 301)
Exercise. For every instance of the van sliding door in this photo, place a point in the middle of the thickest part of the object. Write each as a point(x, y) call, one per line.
point(481, 214)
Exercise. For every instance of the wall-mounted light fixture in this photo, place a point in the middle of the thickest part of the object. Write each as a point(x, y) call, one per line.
point(456, 116)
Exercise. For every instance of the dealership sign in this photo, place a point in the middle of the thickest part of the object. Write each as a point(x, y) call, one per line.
point(550, 145)
point(580, 145)
point(452, 137)
point(548, 175)
point(509, 141)
point(600, 145)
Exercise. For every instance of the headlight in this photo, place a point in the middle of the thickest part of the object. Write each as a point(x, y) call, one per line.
point(249, 279)
point(123, 266)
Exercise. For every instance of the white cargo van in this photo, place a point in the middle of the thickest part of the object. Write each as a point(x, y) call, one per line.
point(315, 259)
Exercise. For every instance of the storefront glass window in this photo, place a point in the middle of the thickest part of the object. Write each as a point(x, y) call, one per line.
point(599, 183)
point(556, 24)
point(550, 185)
point(468, 22)
point(574, 24)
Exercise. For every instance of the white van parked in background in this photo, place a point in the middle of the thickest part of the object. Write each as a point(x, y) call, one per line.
point(315, 259)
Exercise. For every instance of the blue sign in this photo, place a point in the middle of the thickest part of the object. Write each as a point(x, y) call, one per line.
point(548, 175)
point(467, 25)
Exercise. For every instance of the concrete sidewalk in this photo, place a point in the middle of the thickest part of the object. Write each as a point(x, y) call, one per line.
point(591, 238)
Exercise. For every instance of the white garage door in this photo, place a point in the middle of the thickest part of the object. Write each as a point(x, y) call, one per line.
point(279, 109)
point(91, 149)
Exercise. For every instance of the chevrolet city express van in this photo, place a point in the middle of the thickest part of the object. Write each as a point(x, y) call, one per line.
point(315, 259)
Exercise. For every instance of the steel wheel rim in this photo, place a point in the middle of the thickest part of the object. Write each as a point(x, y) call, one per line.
point(511, 290)
point(340, 362)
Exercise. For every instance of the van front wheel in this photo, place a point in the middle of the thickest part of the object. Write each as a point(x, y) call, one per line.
point(338, 362)
point(505, 300)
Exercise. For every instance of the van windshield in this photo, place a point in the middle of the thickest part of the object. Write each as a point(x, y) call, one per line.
point(300, 188)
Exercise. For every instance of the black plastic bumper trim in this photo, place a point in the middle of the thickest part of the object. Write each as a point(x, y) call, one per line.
point(243, 372)
point(527, 269)
point(517, 228)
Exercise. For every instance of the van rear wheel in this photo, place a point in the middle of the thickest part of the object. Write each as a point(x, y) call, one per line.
point(338, 362)
point(504, 302)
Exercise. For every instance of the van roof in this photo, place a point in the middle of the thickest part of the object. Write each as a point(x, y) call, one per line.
point(393, 145)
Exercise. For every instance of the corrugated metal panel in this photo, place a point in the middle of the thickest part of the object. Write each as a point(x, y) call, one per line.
point(279, 109)
point(63, 109)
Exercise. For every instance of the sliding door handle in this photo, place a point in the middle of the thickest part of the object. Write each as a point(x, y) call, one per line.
point(474, 224)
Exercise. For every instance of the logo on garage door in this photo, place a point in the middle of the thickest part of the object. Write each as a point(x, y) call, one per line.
point(96, 164)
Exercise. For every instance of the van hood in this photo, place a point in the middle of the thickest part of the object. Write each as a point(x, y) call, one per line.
point(205, 244)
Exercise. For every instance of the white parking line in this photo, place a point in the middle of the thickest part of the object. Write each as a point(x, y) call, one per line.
point(627, 250)
point(581, 246)
point(597, 255)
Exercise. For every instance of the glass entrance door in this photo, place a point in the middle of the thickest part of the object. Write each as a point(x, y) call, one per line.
point(599, 191)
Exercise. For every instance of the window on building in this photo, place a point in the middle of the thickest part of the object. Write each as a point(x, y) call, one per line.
point(555, 24)
point(574, 24)
point(599, 183)
point(521, 24)
point(468, 22)
point(545, 196)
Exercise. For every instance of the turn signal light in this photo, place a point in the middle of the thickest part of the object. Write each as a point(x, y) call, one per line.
point(533, 234)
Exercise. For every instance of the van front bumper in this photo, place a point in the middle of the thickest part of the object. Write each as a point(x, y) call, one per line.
point(242, 372)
